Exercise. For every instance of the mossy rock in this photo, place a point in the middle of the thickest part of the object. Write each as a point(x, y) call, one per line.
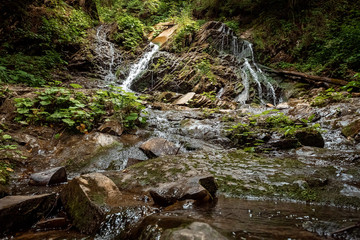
point(352, 129)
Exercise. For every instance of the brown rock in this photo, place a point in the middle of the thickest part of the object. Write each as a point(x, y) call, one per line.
point(112, 127)
point(53, 223)
point(49, 177)
point(86, 199)
point(19, 212)
point(185, 99)
point(196, 188)
point(157, 147)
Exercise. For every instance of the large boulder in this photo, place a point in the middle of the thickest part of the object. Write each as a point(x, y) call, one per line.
point(88, 198)
point(157, 147)
point(19, 212)
point(49, 177)
point(201, 188)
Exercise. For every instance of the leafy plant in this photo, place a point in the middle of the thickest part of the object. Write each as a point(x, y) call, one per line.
point(211, 95)
point(5, 170)
point(77, 111)
point(353, 86)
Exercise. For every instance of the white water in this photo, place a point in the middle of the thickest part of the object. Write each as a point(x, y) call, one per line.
point(220, 93)
point(139, 67)
point(250, 71)
point(109, 56)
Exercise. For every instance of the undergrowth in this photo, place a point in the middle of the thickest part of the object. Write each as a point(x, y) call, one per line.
point(75, 110)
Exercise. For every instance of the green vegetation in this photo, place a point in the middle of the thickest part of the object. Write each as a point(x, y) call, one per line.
point(41, 41)
point(5, 171)
point(78, 111)
point(129, 31)
point(329, 96)
point(252, 131)
point(30, 70)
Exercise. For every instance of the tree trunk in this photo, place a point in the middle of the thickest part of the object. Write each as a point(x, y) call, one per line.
point(309, 78)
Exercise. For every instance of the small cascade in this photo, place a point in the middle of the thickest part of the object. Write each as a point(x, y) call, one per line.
point(220, 93)
point(139, 67)
point(109, 57)
point(249, 70)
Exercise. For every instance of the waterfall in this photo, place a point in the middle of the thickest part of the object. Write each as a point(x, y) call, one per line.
point(139, 67)
point(220, 93)
point(108, 56)
point(249, 70)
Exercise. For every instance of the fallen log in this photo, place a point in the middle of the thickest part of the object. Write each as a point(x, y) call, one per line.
point(307, 77)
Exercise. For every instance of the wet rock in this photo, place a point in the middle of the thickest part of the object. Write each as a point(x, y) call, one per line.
point(196, 230)
point(310, 138)
point(87, 198)
point(53, 223)
point(352, 129)
point(112, 127)
point(19, 212)
point(49, 177)
point(157, 147)
point(77, 150)
point(286, 143)
point(317, 182)
point(196, 188)
point(184, 99)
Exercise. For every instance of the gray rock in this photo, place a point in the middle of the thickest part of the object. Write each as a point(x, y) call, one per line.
point(201, 188)
point(19, 212)
point(157, 147)
point(49, 177)
point(195, 231)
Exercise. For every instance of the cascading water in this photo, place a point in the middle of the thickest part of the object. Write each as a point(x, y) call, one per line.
point(109, 57)
point(139, 67)
point(249, 70)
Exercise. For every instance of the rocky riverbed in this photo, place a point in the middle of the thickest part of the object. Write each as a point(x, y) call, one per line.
point(227, 164)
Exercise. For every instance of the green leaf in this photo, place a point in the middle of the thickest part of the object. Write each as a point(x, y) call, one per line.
point(23, 110)
point(132, 117)
point(74, 85)
point(68, 121)
point(6, 137)
point(44, 103)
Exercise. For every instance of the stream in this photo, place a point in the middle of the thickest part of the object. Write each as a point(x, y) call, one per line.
point(239, 212)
